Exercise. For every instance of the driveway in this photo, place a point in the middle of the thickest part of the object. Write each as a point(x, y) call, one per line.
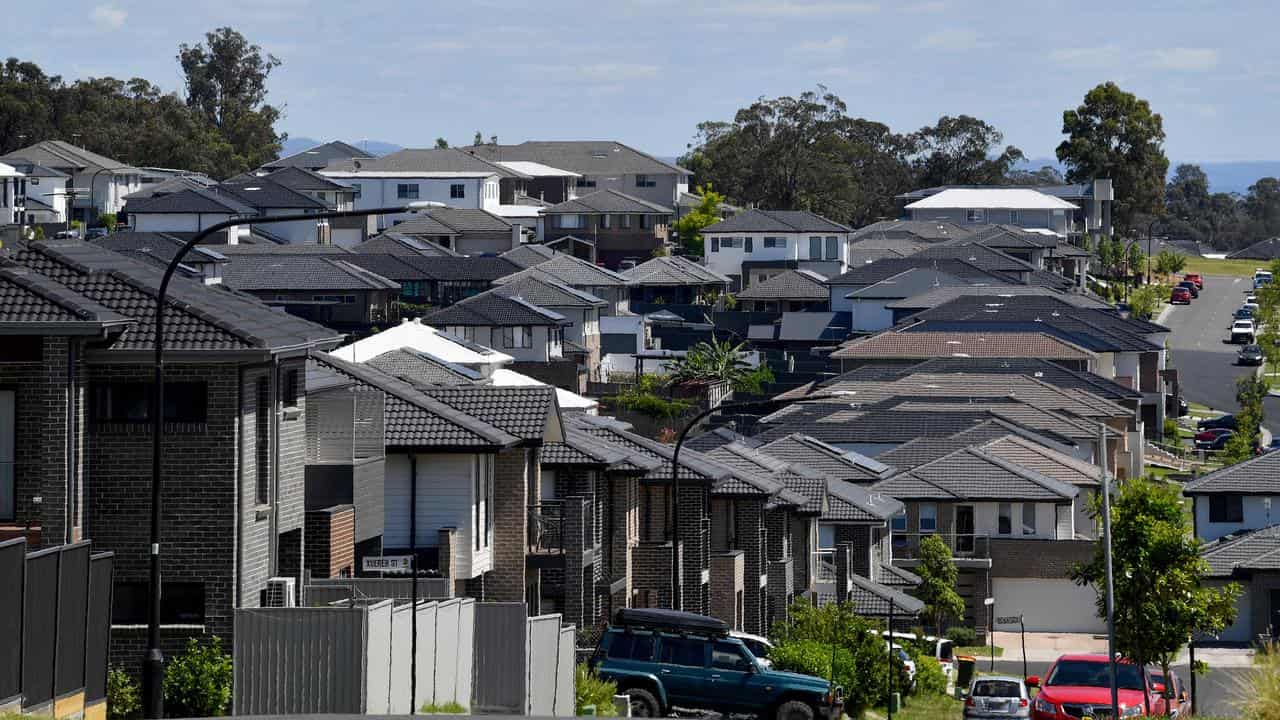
point(1205, 362)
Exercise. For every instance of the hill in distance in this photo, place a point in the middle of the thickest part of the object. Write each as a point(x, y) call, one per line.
point(1229, 177)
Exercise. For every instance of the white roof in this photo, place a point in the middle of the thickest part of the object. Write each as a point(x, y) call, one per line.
point(1042, 231)
point(503, 377)
point(414, 334)
point(991, 199)
point(517, 211)
point(424, 174)
point(536, 169)
point(9, 171)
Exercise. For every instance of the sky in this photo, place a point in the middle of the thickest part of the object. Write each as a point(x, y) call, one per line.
point(646, 72)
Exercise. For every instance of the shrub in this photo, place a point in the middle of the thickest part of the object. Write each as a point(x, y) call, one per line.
point(124, 699)
point(832, 642)
point(590, 689)
point(449, 708)
point(930, 680)
point(962, 636)
point(108, 221)
point(1259, 691)
point(197, 683)
point(1170, 428)
point(652, 405)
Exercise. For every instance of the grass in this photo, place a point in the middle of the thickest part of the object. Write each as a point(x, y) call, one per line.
point(449, 708)
point(931, 707)
point(1229, 268)
point(979, 650)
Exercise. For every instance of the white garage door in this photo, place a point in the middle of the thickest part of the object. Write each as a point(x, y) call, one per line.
point(1048, 605)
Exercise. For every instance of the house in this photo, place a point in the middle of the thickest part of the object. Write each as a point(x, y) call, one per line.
point(183, 207)
point(391, 242)
point(788, 291)
point(935, 296)
point(599, 164)
point(78, 371)
point(530, 254)
point(437, 281)
point(467, 231)
point(529, 333)
point(754, 245)
point(201, 262)
point(581, 311)
point(40, 192)
point(1022, 207)
point(578, 274)
point(898, 238)
point(868, 305)
point(673, 279)
point(1237, 497)
point(910, 347)
point(12, 189)
point(334, 196)
point(1263, 250)
point(324, 289)
point(617, 226)
point(1090, 216)
point(414, 334)
point(318, 157)
point(105, 181)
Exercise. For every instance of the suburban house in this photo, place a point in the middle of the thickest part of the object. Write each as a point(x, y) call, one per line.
point(418, 336)
point(599, 165)
point(581, 310)
point(868, 305)
point(391, 242)
point(673, 279)
point(105, 182)
point(318, 157)
point(1022, 207)
point(754, 245)
point(437, 281)
point(467, 231)
point(1090, 215)
point(528, 333)
point(12, 189)
point(898, 238)
point(36, 195)
point(788, 291)
point(324, 289)
point(78, 363)
point(617, 226)
point(201, 262)
point(578, 274)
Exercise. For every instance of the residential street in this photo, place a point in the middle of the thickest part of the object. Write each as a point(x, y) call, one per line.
point(1206, 363)
point(1215, 689)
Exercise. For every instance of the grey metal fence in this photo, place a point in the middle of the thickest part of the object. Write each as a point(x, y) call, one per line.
point(322, 592)
point(500, 673)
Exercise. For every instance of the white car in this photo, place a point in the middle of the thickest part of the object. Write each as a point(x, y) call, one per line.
point(1242, 331)
point(759, 646)
point(907, 663)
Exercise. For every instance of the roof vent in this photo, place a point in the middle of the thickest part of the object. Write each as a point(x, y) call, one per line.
point(1038, 374)
point(953, 342)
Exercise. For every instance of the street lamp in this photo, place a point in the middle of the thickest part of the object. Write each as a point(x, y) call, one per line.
point(675, 474)
point(1151, 228)
point(153, 665)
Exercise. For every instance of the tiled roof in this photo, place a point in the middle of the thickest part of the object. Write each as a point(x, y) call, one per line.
point(307, 272)
point(924, 450)
point(847, 502)
point(1256, 476)
point(388, 266)
point(59, 154)
point(198, 316)
point(827, 459)
point(490, 309)
point(454, 221)
point(1003, 237)
point(582, 448)
point(923, 344)
point(788, 285)
point(971, 474)
point(846, 424)
point(586, 157)
point(391, 242)
point(776, 221)
point(525, 412)
point(1037, 368)
point(871, 599)
point(320, 156)
point(906, 284)
point(1244, 552)
point(527, 256)
point(414, 366)
point(265, 193)
point(694, 466)
point(714, 438)
point(191, 200)
point(428, 161)
point(157, 248)
point(672, 270)
point(480, 268)
point(793, 484)
point(925, 231)
point(874, 272)
point(566, 269)
point(973, 253)
point(277, 250)
point(933, 297)
point(27, 297)
point(608, 201)
point(302, 180)
point(548, 293)
point(894, 576)
point(1044, 460)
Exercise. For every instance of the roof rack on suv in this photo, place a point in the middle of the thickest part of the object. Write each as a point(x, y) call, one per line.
point(671, 620)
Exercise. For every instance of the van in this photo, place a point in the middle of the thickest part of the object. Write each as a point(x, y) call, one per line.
point(1261, 277)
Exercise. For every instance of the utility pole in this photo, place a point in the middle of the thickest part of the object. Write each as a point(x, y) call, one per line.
point(1110, 589)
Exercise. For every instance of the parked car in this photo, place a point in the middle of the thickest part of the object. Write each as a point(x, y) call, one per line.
point(1208, 436)
point(1261, 277)
point(1243, 313)
point(759, 646)
point(1250, 355)
point(997, 696)
point(663, 659)
point(1079, 686)
point(1196, 278)
point(907, 663)
point(1218, 442)
point(1242, 331)
point(941, 649)
point(1180, 296)
point(97, 232)
point(1175, 692)
point(1227, 421)
point(1195, 291)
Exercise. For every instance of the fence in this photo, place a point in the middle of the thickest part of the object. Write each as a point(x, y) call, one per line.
point(324, 592)
point(355, 657)
point(55, 629)
point(538, 681)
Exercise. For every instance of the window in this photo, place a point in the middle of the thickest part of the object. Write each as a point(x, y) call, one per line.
point(486, 462)
point(631, 646)
point(335, 299)
point(1028, 518)
point(643, 181)
point(928, 517)
point(761, 278)
point(727, 656)
point(466, 332)
point(815, 248)
point(1015, 217)
point(1005, 522)
point(407, 191)
point(1226, 508)
point(585, 182)
point(476, 532)
point(899, 523)
point(604, 221)
point(183, 603)
point(262, 440)
point(833, 247)
point(624, 222)
point(184, 402)
point(974, 216)
point(569, 221)
point(682, 651)
point(357, 190)
point(290, 388)
point(8, 443)
point(644, 222)
point(775, 242)
point(517, 337)
point(746, 244)
point(457, 191)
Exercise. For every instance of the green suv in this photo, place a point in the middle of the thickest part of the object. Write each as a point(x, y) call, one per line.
point(664, 659)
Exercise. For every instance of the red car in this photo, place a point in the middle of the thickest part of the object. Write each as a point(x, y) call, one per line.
point(1195, 278)
point(1180, 295)
point(1079, 686)
point(1208, 436)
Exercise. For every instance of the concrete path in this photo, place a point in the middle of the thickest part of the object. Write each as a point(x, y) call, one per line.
point(1047, 647)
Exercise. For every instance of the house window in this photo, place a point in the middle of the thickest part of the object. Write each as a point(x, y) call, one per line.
point(585, 182)
point(457, 191)
point(775, 242)
point(407, 191)
point(517, 337)
point(480, 486)
point(335, 299)
point(1028, 518)
point(183, 603)
point(22, 348)
point(833, 247)
point(466, 332)
point(1015, 217)
point(356, 190)
point(746, 244)
point(604, 222)
point(486, 462)
point(290, 389)
point(974, 216)
point(1005, 522)
point(122, 402)
point(899, 522)
point(624, 222)
point(644, 222)
point(8, 444)
point(1226, 508)
point(262, 440)
point(928, 517)
point(643, 181)
point(815, 248)
point(569, 221)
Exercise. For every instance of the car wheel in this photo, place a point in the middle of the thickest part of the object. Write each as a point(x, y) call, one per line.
point(795, 710)
point(643, 703)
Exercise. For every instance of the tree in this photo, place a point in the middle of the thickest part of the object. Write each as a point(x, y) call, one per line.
point(712, 361)
point(1114, 134)
point(1251, 391)
point(1187, 200)
point(1158, 575)
point(1134, 260)
point(441, 143)
point(938, 577)
point(226, 79)
point(830, 641)
point(1168, 262)
point(1145, 300)
point(962, 150)
point(1109, 252)
point(1046, 175)
point(689, 226)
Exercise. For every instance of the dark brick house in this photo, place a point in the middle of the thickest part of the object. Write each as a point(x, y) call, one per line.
point(619, 226)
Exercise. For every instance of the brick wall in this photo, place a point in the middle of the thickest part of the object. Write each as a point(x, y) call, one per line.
point(695, 538)
point(624, 509)
point(512, 485)
point(330, 541)
point(651, 575)
point(1016, 558)
point(751, 540)
point(40, 399)
point(727, 587)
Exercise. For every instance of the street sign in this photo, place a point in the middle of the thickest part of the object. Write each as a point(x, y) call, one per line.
point(388, 563)
point(1009, 620)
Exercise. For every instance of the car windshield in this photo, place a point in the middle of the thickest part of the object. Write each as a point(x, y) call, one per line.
point(1252, 349)
point(1088, 673)
point(997, 688)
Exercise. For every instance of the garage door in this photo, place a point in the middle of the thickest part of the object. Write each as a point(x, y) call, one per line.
point(1048, 605)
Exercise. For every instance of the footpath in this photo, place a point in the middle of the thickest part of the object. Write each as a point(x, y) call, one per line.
point(1047, 647)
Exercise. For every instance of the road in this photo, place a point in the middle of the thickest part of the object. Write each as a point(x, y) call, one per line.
point(1216, 691)
point(1205, 361)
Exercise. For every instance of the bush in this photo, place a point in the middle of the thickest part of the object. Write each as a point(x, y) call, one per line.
point(832, 642)
point(449, 708)
point(589, 689)
point(930, 680)
point(197, 683)
point(124, 699)
point(962, 636)
point(1170, 429)
point(1259, 692)
point(108, 221)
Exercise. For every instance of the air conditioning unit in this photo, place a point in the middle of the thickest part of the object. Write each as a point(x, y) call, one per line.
point(280, 592)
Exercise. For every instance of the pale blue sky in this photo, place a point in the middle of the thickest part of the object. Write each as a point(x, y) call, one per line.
point(647, 71)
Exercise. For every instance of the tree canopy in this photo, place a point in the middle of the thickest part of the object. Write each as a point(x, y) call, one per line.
point(938, 578)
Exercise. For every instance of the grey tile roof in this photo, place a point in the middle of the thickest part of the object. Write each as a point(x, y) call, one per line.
point(871, 599)
point(909, 344)
point(414, 366)
point(1243, 552)
point(306, 272)
point(199, 317)
point(1002, 237)
point(566, 269)
point(933, 297)
point(832, 327)
point(157, 248)
point(478, 269)
point(582, 448)
point(424, 160)
point(827, 459)
point(1093, 329)
point(391, 242)
point(788, 285)
point(694, 466)
point(1256, 476)
point(1044, 460)
point(847, 502)
point(923, 450)
point(302, 179)
point(608, 201)
point(976, 254)
point(529, 255)
point(1038, 368)
point(525, 411)
point(274, 249)
point(874, 272)
point(490, 309)
point(894, 576)
point(31, 168)
point(264, 193)
point(62, 155)
point(906, 284)
point(388, 266)
point(547, 293)
point(776, 221)
point(413, 419)
point(586, 157)
point(673, 270)
point(923, 231)
point(791, 484)
point(972, 474)
point(454, 221)
point(191, 200)
point(319, 156)
point(27, 297)
point(877, 425)
point(714, 438)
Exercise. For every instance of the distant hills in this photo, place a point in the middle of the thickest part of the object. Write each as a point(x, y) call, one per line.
point(1223, 176)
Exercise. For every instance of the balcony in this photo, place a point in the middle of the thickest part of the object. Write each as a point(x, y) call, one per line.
point(560, 527)
point(963, 546)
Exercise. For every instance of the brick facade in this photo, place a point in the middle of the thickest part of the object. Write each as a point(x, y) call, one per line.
point(516, 474)
point(727, 591)
point(330, 541)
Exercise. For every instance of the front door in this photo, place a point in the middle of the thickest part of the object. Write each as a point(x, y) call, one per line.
point(964, 528)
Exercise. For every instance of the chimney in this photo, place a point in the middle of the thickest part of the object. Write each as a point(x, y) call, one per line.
point(516, 235)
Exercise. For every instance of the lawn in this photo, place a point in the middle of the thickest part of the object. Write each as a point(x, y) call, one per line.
point(979, 650)
point(931, 707)
point(1229, 268)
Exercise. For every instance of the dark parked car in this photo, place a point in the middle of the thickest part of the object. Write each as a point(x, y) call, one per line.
point(1244, 313)
point(1180, 296)
point(1250, 355)
point(1195, 291)
point(1222, 421)
point(1217, 443)
point(1205, 438)
point(663, 659)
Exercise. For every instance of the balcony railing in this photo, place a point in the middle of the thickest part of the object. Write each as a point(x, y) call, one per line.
point(546, 527)
point(906, 546)
point(826, 564)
